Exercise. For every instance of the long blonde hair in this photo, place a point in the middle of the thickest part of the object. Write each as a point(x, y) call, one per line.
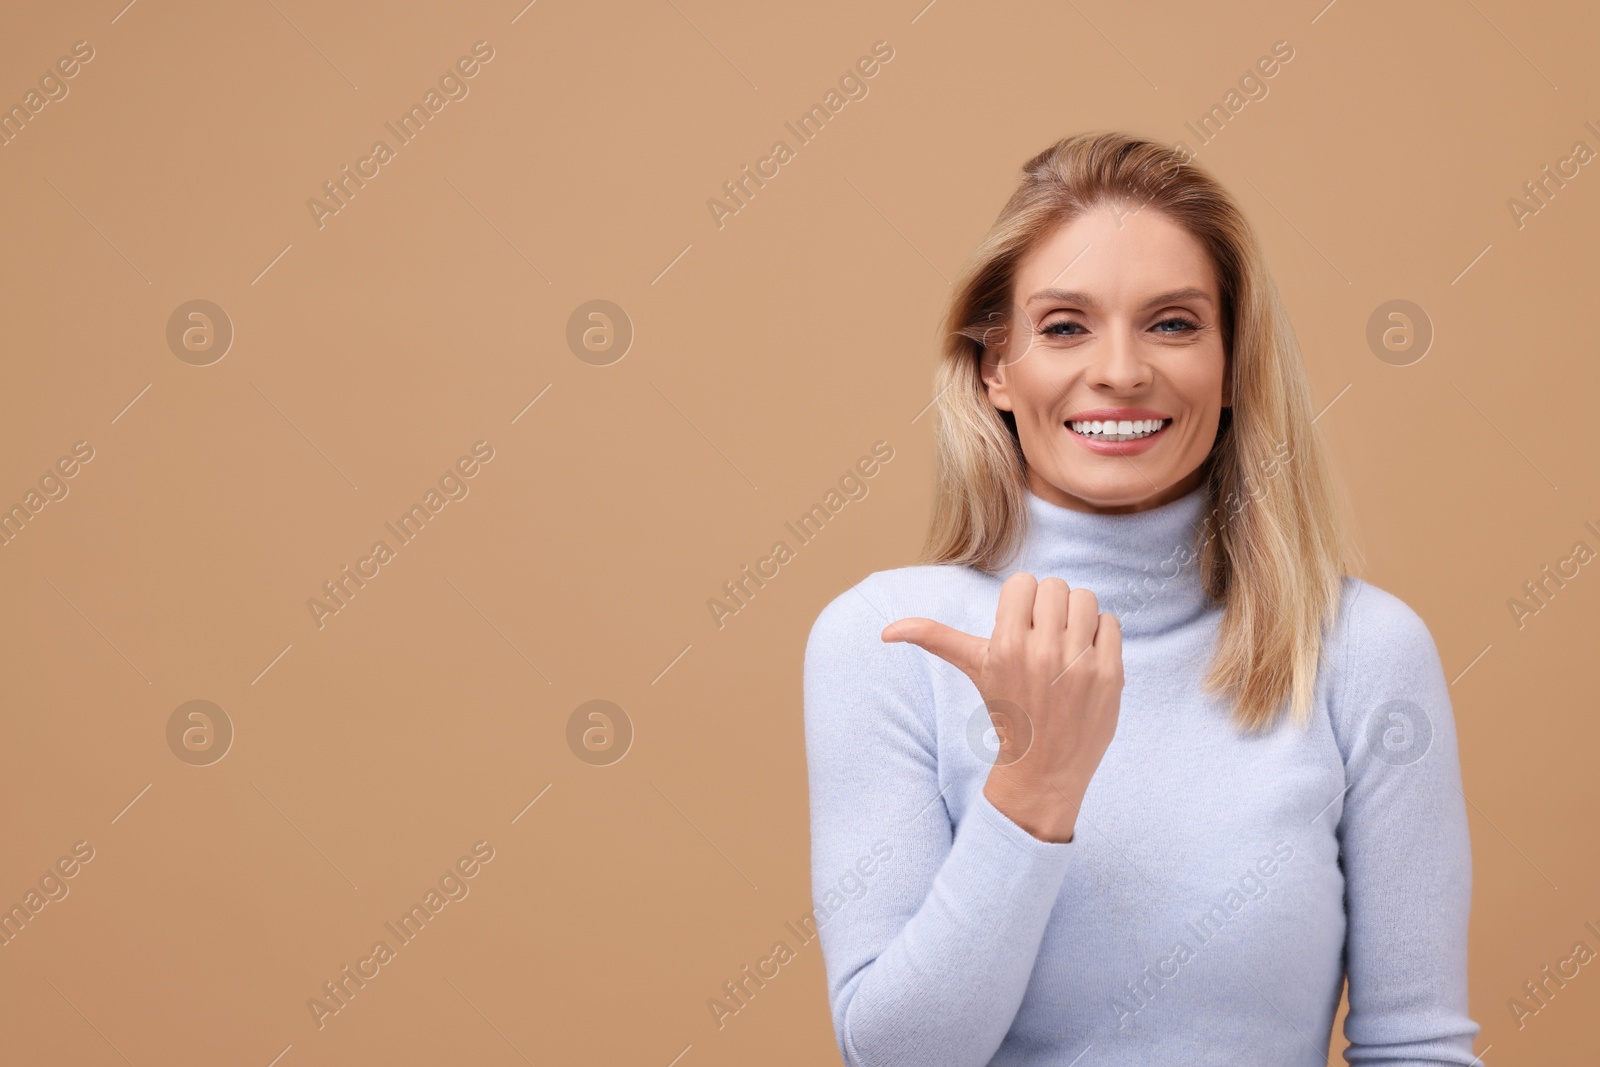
point(1277, 563)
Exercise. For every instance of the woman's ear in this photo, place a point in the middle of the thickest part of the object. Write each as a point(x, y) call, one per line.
point(992, 369)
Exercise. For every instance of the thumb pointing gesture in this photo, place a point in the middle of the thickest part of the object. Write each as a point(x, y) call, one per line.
point(1055, 661)
point(961, 650)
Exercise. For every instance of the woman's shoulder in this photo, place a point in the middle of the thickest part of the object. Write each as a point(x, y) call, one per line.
point(1384, 658)
point(928, 590)
point(1371, 619)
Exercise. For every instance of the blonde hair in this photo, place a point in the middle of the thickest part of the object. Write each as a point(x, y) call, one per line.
point(1278, 562)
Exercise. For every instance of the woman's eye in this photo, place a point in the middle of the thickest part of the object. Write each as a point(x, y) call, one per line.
point(1060, 328)
point(1184, 325)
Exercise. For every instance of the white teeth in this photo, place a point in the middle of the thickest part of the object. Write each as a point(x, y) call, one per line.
point(1123, 430)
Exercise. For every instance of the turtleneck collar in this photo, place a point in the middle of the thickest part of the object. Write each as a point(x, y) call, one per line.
point(1142, 566)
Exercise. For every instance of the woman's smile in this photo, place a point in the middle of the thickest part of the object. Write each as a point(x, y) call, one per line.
point(1118, 431)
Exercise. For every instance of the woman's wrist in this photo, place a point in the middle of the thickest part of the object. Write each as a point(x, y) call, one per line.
point(1047, 811)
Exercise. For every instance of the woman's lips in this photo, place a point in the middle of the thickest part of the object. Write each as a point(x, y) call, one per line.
point(1132, 447)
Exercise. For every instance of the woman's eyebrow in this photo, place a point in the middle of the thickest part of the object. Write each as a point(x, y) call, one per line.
point(1069, 296)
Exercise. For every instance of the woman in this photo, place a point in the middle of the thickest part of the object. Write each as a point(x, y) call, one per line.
point(1226, 775)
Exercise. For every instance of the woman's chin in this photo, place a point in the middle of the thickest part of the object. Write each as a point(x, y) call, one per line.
point(1129, 488)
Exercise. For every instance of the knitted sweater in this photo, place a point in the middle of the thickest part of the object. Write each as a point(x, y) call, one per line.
point(1219, 887)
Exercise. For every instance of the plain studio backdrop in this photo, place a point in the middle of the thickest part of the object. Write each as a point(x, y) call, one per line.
point(522, 348)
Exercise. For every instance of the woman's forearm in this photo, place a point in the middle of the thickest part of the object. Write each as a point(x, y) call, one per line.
point(943, 991)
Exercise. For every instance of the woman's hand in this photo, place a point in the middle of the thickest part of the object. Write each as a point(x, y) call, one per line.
point(1051, 679)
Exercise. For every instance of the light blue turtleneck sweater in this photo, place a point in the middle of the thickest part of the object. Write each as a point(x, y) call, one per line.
point(1218, 888)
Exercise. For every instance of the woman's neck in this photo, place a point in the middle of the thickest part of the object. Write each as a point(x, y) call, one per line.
point(1142, 566)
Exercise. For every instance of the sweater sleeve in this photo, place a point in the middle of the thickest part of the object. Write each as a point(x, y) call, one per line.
point(929, 932)
point(1403, 842)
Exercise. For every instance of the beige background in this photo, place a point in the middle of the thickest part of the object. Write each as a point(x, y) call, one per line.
point(369, 354)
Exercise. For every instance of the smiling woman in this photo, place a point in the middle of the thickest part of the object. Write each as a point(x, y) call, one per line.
point(1136, 571)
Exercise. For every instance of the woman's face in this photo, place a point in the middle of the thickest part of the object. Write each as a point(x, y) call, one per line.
point(1115, 320)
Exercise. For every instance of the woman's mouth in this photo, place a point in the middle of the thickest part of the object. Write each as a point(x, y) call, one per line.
point(1124, 430)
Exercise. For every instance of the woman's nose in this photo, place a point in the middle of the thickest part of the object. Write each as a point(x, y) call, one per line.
point(1118, 362)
